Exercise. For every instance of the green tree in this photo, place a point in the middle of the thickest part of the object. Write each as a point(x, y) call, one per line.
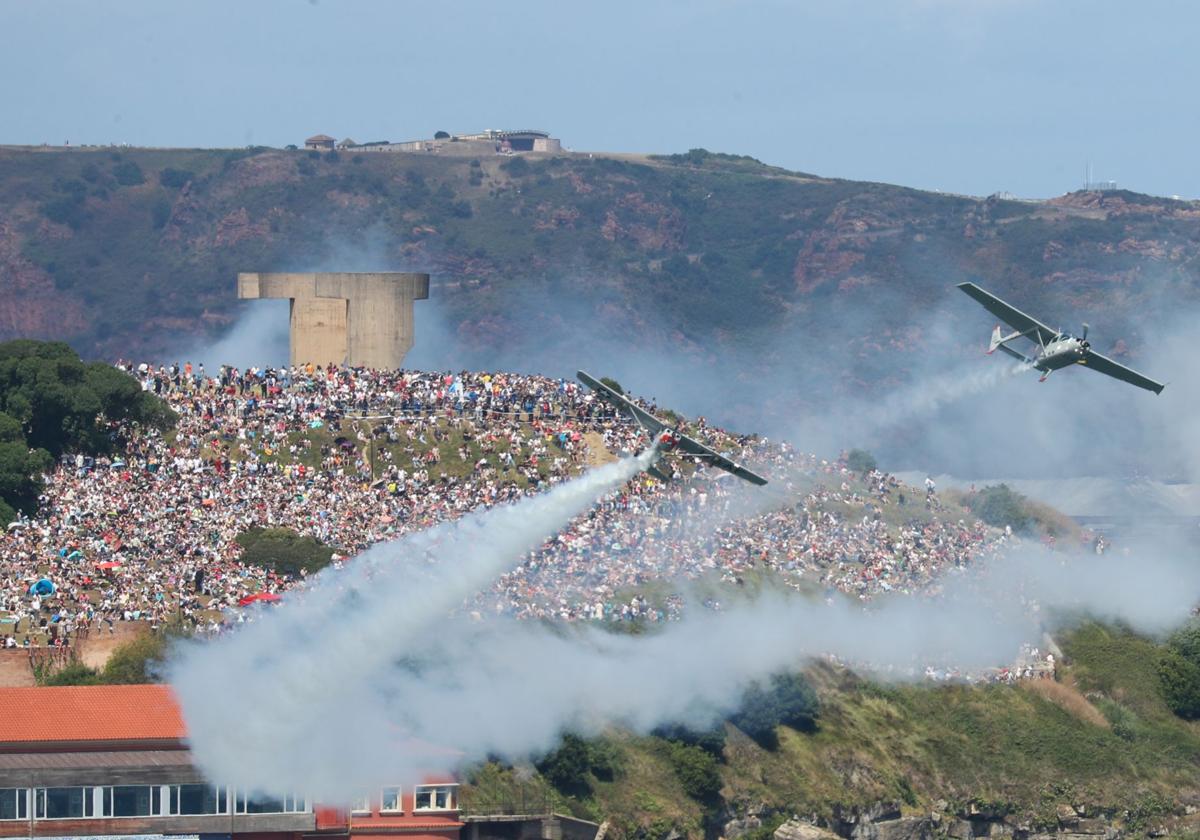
point(860, 461)
point(567, 767)
point(283, 551)
point(21, 470)
point(1179, 682)
point(999, 505)
point(441, 135)
point(1185, 641)
point(65, 405)
point(785, 700)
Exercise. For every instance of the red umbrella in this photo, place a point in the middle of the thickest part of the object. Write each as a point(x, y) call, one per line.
point(269, 597)
point(110, 564)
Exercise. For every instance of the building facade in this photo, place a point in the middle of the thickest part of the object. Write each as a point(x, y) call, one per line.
point(113, 761)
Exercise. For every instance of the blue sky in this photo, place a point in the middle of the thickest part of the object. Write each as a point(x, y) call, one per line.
point(971, 96)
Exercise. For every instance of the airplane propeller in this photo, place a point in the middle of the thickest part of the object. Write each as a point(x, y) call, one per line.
point(1084, 336)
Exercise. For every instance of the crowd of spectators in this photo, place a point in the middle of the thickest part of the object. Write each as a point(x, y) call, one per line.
point(354, 457)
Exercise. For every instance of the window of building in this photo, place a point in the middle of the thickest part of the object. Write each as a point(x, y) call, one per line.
point(389, 801)
point(132, 801)
point(14, 804)
point(289, 804)
point(362, 805)
point(65, 803)
point(194, 800)
point(434, 798)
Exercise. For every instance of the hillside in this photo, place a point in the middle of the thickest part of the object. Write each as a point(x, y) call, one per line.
point(134, 252)
point(989, 761)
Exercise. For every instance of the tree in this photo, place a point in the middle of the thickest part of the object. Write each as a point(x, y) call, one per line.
point(21, 470)
point(1185, 641)
point(999, 505)
point(441, 135)
point(860, 461)
point(51, 402)
point(612, 383)
point(283, 551)
point(786, 700)
point(567, 767)
point(1179, 682)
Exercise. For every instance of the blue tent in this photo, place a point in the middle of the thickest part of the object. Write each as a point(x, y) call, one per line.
point(45, 586)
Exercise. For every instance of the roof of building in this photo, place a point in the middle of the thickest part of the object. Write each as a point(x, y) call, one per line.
point(319, 138)
point(94, 713)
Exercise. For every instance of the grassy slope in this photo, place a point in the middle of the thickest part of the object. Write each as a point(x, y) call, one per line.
point(1018, 748)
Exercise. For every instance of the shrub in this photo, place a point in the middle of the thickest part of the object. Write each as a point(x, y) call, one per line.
point(135, 662)
point(65, 210)
point(697, 772)
point(128, 174)
point(787, 700)
point(174, 178)
point(516, 167)
point(712, 740)
point(160, 213)
point(74, 674)
point(283, 551)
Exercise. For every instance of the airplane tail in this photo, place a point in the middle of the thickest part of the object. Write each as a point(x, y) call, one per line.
point(997, 340)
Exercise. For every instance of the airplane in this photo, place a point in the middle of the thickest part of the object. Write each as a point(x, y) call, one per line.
point(665, 437)
point(1056, 349)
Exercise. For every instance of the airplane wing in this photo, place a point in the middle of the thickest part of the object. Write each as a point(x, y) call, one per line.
point(716, 459)
point(644, 418)
point(1105, 365)
point(1012, 316)
point(653, 425)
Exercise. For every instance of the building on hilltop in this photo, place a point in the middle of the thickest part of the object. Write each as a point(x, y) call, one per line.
point(320, 143)
point(113, 761)
point(491, 141)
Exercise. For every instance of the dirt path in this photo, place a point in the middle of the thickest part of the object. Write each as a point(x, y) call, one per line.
point(598, 454)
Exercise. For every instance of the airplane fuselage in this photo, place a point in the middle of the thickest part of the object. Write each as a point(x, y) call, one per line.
point(1064, 350)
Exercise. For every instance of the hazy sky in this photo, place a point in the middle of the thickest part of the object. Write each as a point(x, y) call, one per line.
point(969, 96)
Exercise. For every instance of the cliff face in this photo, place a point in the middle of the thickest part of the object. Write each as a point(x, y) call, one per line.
point(130, 252)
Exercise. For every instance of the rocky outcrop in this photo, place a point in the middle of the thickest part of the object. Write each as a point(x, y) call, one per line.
point(798, 830)
point(885, 821)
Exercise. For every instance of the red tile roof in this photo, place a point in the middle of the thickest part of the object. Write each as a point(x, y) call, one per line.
point(90, 713)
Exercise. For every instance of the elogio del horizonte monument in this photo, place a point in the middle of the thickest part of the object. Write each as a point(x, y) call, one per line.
point(361, 319)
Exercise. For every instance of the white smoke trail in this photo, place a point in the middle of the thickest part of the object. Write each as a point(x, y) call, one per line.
point(929, 395)
point(299, 678)
point(344, 690)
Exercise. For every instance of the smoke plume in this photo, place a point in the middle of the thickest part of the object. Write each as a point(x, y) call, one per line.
point(370, 677)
